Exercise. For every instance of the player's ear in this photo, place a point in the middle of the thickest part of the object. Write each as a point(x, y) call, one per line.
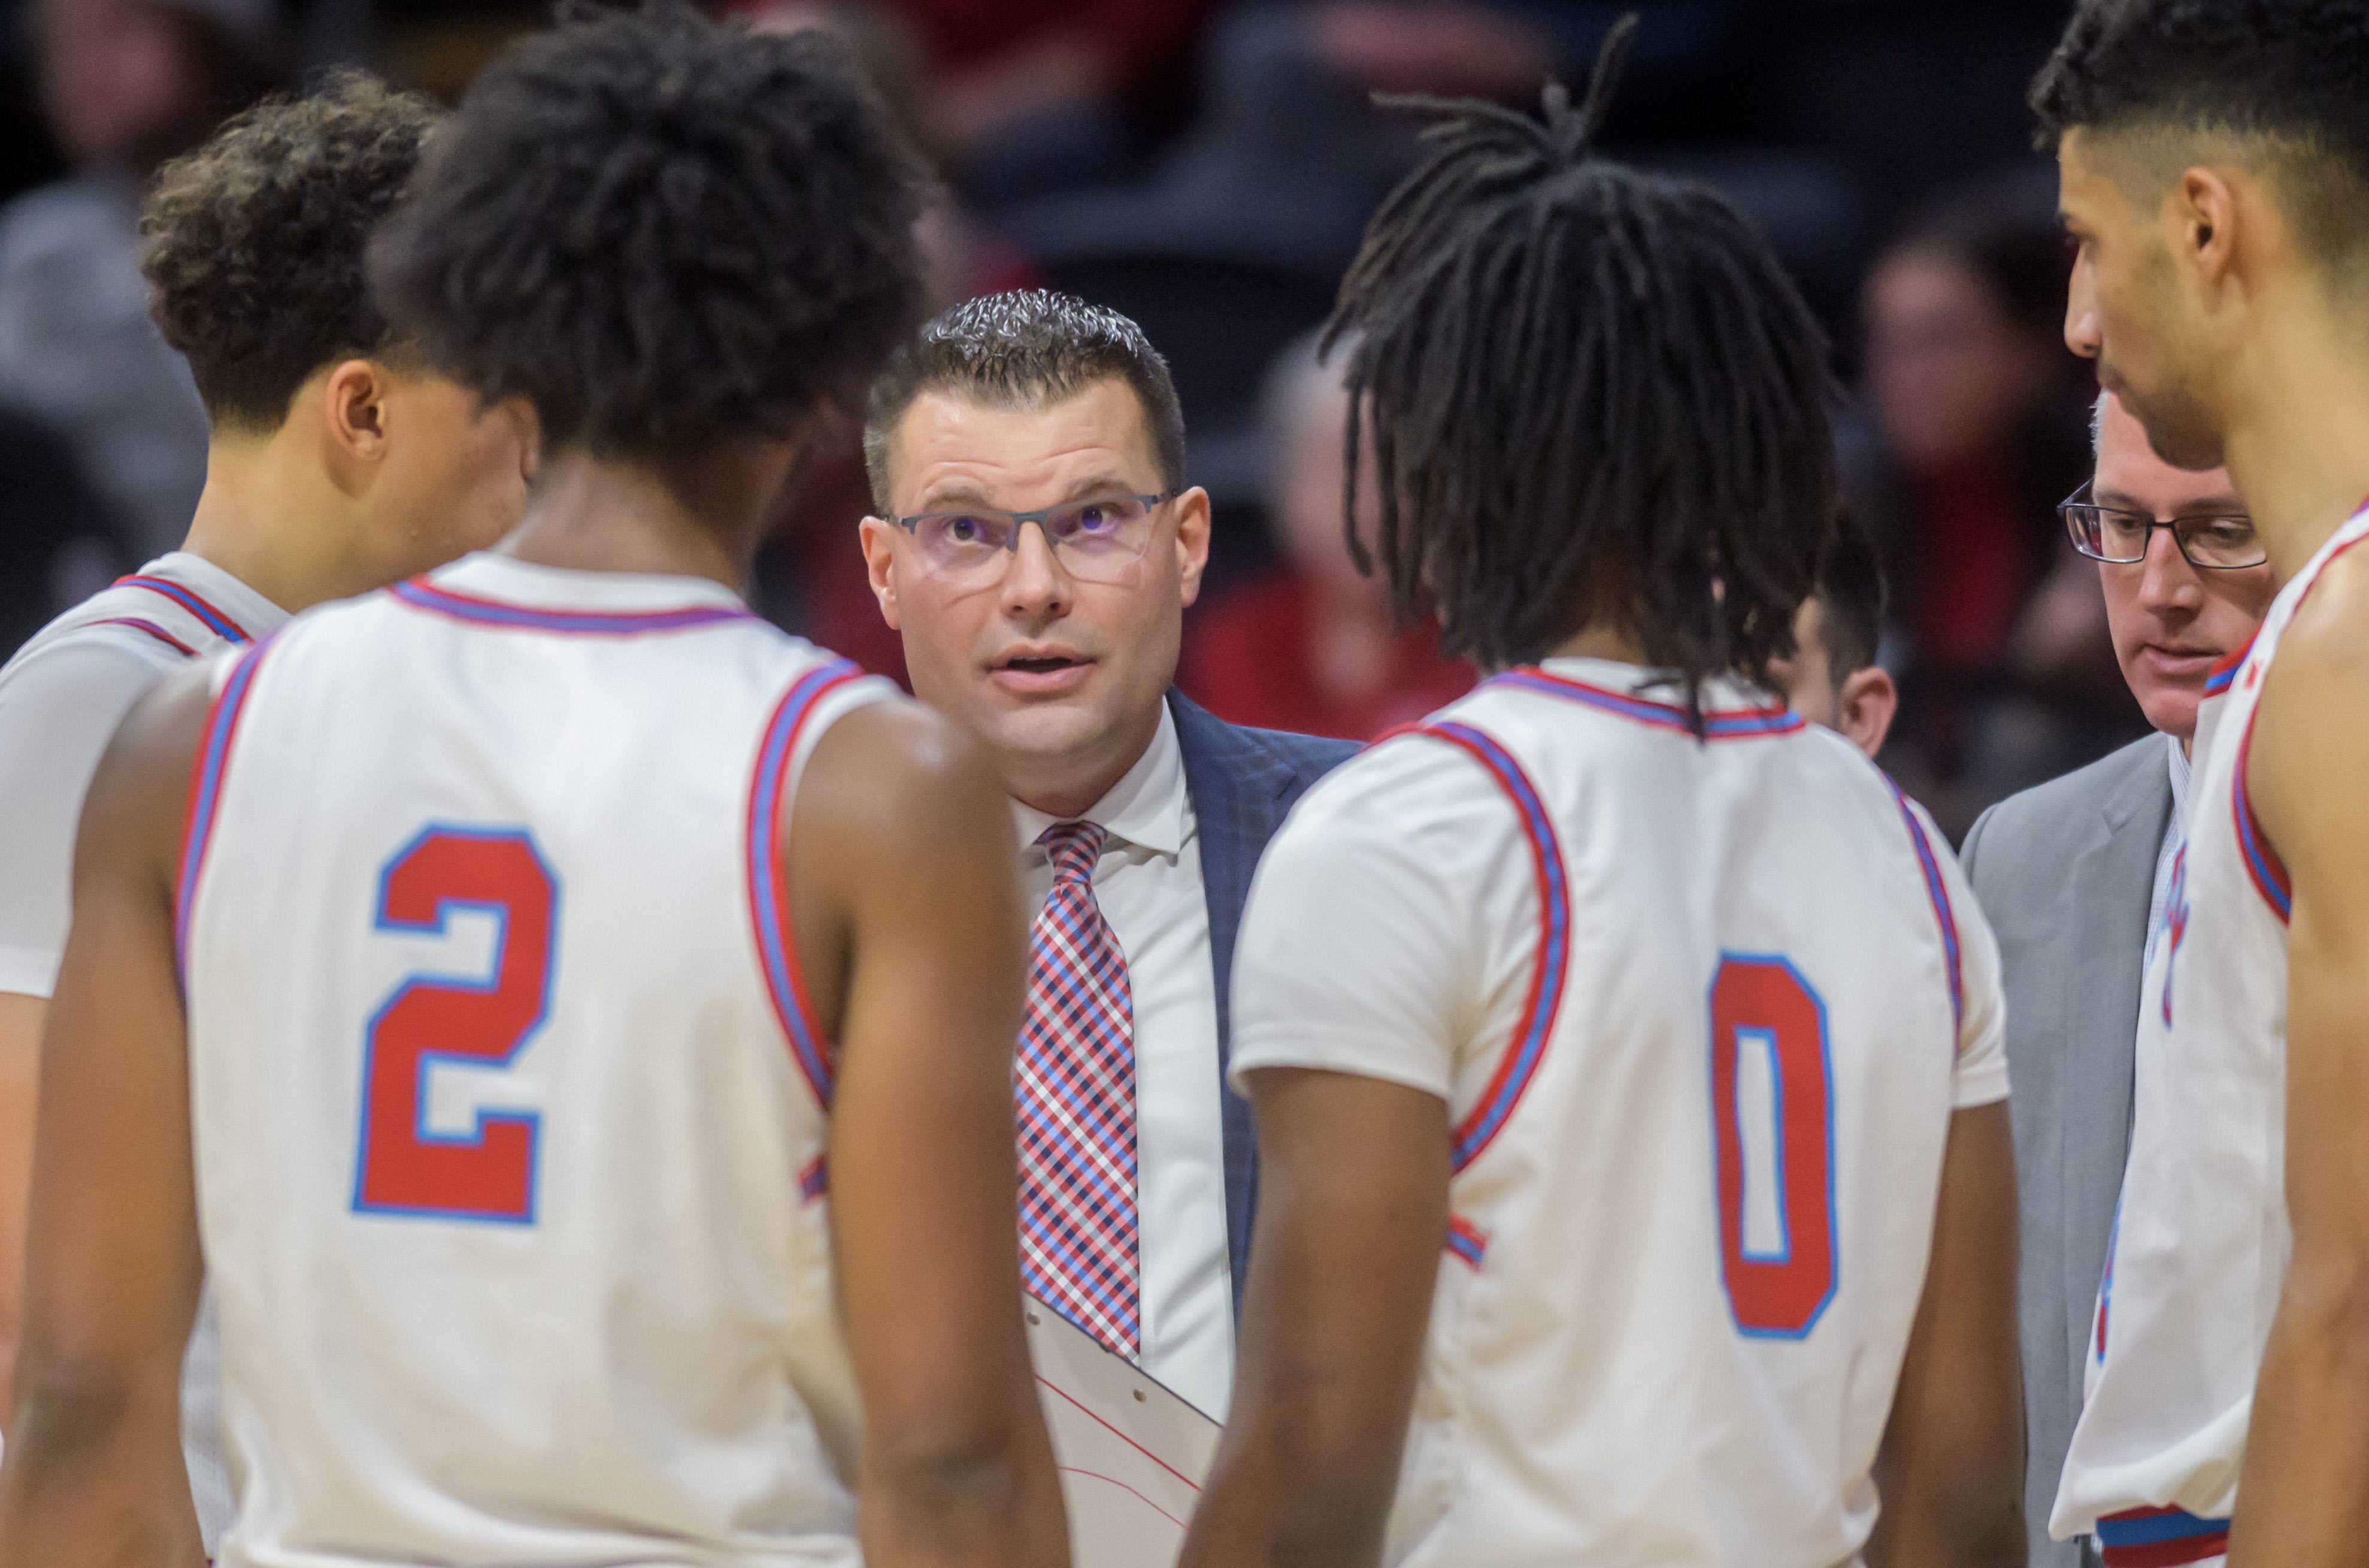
point(1870, 699)
point(2204, 205)
point(354, 405)
point(877, 538)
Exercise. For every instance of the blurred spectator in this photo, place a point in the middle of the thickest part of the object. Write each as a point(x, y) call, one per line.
point(58, 543)
point(1979, 427)
point(1312, 646)
point(126, 84)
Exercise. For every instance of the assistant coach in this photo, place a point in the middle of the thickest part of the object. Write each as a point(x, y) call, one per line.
point(1036, 547)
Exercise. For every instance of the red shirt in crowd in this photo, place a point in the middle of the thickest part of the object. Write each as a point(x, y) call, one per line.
point(1250, 658)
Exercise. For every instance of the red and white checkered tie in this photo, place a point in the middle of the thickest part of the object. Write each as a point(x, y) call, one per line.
point(1075, 1076)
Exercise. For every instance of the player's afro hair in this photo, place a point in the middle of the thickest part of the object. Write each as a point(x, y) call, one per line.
point(2292, 73)
point(253, 244)
point(661, 231)
point(1596, 397)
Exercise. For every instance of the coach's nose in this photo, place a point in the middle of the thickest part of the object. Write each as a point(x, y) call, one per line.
point(1036, 590)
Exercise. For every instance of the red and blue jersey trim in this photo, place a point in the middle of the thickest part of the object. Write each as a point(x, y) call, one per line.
point(1466, 1241)
point(1937, 892)
point(1732, 724)
point(1520, 1064)
point(216, 621)
point(421, 594)
point(140, 624)
point(768, 888)
point(2263, 867)
point(2159, 1538)
point(207, 769)
point(2217, 679)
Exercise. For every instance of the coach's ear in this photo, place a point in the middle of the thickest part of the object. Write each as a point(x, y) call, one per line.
point(878, 538)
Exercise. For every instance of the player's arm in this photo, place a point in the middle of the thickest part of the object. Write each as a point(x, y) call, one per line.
point(56, 714)
point(94, 1473)
point(20, 1056)
point(904, 876)
point(1353, 1214)
point(1950, 1474)
point(2303, 1496)
point(1354, 980)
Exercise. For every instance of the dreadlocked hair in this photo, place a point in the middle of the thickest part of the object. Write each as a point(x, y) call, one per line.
point(1594, 399)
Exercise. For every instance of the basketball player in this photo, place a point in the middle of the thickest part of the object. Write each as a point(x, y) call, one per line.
point(338, 463)
point(2214, 164)
point(1832, 678)
point(515, 916)
point(1626, 1053)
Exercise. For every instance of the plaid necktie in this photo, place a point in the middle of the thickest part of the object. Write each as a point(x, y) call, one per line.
point(1075, 1074)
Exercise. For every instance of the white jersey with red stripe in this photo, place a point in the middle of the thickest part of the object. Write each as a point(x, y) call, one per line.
point(1702, 1011)
point(2201, 1241)
point(62, 697)
point(510, 1110)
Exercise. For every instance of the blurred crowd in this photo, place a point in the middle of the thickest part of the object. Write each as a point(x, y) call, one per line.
point(1207, 167)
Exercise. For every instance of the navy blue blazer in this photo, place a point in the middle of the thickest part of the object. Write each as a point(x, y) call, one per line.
point(1242, 783)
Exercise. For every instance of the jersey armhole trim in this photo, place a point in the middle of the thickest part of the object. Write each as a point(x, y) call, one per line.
point(1523, 1052)
point(2263, 867)
point(140, 624)
point(769, 886)
point(2217, 679)
point(1937, 893)
point(208, 768)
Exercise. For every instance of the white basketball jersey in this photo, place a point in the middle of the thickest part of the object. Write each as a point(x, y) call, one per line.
point(1696, 1165)
point(176, 607)
point(2201, 1240)
point(509, 1114)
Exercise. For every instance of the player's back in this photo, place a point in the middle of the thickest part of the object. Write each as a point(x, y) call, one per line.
point(509, 1119)
point(1700, 1085)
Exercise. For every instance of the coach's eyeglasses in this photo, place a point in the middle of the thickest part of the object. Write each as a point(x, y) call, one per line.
point(2225, 544)
point(1095, 540)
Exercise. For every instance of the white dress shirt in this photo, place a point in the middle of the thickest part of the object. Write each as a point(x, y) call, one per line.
point(1149, 885)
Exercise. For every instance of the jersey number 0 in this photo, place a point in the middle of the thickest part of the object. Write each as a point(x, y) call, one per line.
point(487, 1171)
point(1777, 1147)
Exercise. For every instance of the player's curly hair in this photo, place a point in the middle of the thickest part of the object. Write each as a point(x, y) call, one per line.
point(2287, 74)
point(253, 244)
point(1595, 399)
point(661, 231)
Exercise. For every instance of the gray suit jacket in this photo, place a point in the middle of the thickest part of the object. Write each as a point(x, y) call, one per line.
point(2065, 873)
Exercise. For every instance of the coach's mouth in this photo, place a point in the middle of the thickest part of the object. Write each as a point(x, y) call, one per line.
point(1036, 670)
point(2179, 663)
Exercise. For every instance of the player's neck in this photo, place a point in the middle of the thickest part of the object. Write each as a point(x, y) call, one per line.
point(2299, 452)
point(270, 517)
point(700, 515)
point(1605, 642)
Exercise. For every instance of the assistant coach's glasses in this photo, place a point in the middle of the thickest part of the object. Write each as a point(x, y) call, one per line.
point(2220, 543)
point(1096, 540)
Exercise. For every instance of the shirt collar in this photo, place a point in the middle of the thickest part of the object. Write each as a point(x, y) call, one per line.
point(1145, 808)
point(2181, 767)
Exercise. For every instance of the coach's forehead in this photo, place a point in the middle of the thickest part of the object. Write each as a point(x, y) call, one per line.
point(957, 439)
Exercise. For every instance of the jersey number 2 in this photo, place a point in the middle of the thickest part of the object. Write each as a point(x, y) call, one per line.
point(486, 1172)
point(1774, 1149)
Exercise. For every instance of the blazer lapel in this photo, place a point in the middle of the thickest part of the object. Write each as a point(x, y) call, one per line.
point(2116, 874)
point(1237, 792)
